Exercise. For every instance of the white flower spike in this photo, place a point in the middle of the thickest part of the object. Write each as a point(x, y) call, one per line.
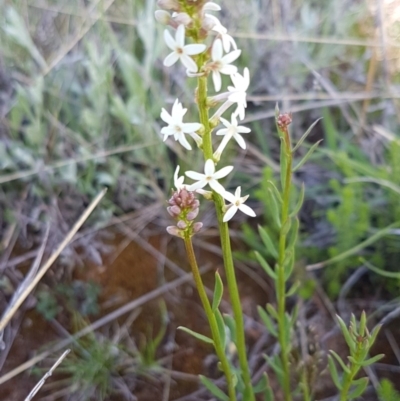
point(221, 64)
point(209, 177)
point(180, 51)
point(238, 91)
point(232, 130)
point(177, 127)
point(237, 203)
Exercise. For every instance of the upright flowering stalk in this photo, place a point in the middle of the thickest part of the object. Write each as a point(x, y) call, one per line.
point(204, 60)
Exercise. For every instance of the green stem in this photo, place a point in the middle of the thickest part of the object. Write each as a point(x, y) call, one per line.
point(225, 244)
point(212, 321)
point(234, 295)
point(281, 281)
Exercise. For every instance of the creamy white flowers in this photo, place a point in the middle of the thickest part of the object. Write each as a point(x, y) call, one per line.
point(180, 51)
point(216, 59)
point(232, 130)
point(221, 64)
point(237, 203)
point(238, 91)
point(177, 127)
point(210, 177)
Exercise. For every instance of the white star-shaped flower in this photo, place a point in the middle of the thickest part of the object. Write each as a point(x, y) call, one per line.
point(233, 130)
point(237, 203)
point(177, 127)
point(209, 177)
point(221, 64)
point(238, 91)
point(180, 51)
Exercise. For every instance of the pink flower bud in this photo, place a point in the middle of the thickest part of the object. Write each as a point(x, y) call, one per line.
point(173, 230)
point(197, 226)
point(162, 16)
point(193, 214)
point(174, 210)
point(182, 19)
point(181, 224)
point(169, 5)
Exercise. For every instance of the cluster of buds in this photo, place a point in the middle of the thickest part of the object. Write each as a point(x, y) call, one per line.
point(184, 208)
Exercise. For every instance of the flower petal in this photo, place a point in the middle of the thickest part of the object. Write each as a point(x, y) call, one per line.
point(216, 186)
point(169, 40)
point(229, 197)
point(168, 130)
point(238, 192)
point(180, 36)
point(190, 127)
point(243, 130)
point(171, 59)
point(194, 49)
point(184, 142)
point(240, 140)
point(247, 210)
point(211, 6)
point(165, 116)
point(230, 57)
point(216, 76)
point(194, 175)
point(223, 172)
point(189, 63)
point(216, 52)
point(209, 168)
point(230, 213)
point(222, 131)
point(228, 69)
point(197, 185)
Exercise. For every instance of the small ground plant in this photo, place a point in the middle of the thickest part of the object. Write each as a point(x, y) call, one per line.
point(211, 53)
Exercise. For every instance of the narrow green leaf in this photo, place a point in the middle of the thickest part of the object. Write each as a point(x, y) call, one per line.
point(275, 365)
point(295, 315)
point(213, 389)
point(289, 264)
point(360, 386)
point(363, 323)
point(372, 360)
point(276, 111)
point(272, 311)
point(275, 212)
point(276, 192)
point(264, 264)
point(339, 359)
point(305, 135)
point(218, 291)
point(266, 239)
point(231, 324)
point(293, 289)
point(221, 326)
point(199, 336)
point(268, 393)
point(374, 334)
point(334, 373)
point(346, 333)
point(307, 156)
point(286, 227)
point(262, 384)
point(267, 321)
point(300, 201)
point(292, 237)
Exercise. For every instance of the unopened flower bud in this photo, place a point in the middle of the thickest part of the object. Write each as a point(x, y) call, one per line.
point(182, 19)
point(169, 5)
point(193, 214)
point(197, 226)
point(173, 230)
point(284, 120)
point(181, 224)
point(208, 23)
point(174, 210)
point(162, 16)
